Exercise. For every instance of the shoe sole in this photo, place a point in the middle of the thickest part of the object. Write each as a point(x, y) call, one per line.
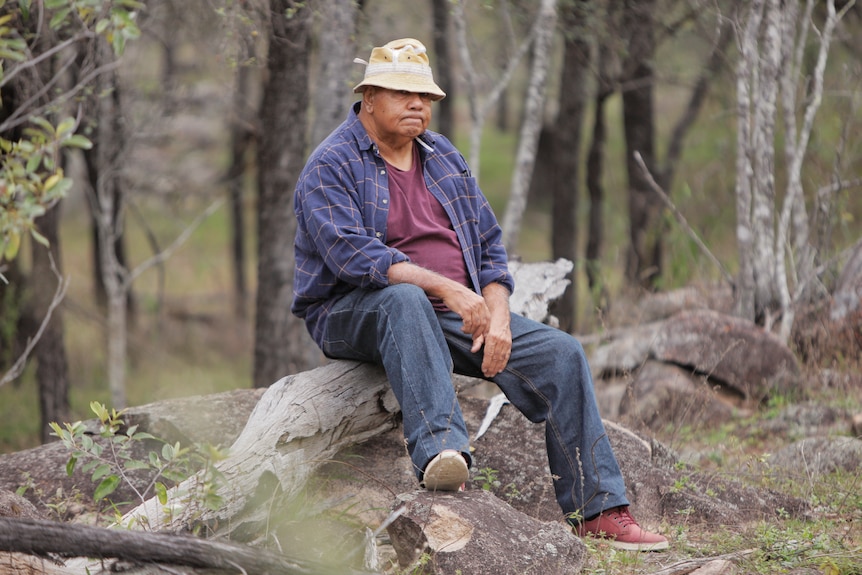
point(626, 546)
point(446, 472)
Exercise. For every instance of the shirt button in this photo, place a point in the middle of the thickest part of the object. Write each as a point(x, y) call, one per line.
point(382, 172)
point(385, 201)
point(379, 234)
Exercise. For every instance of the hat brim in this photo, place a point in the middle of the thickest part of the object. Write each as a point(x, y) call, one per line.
point(401, 81)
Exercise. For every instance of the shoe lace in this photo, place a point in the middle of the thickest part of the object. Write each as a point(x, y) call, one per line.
point(622, 516)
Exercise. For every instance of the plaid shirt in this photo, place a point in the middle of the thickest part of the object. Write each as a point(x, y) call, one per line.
point(342, 202)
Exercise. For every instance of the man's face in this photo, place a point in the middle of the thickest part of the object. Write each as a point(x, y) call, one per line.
point(398, 113)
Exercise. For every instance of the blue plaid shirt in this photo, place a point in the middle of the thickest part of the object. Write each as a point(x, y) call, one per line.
point(342, 203)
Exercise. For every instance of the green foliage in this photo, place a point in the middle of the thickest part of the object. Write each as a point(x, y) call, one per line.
point(109, 458)
point(486, 478)
point(31, 179)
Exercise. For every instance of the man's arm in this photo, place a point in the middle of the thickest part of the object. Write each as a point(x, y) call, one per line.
point(462, 300)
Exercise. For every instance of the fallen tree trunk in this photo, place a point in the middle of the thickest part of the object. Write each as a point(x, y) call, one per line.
point(49, 538)
point(300, 422)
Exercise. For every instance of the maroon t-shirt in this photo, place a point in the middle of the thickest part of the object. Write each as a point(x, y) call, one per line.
point(419, 227)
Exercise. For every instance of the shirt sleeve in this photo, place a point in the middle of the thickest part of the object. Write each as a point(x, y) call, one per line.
point(329, 202)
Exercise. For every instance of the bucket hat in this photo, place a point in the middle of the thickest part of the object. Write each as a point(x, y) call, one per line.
point(400, 65)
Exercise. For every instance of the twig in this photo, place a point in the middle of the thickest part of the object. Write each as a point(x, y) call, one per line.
point(59, 294)
point(689, 565)
point(176, 244)
point(682, 221)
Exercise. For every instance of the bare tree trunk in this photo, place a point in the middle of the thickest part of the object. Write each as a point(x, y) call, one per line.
point(241, 139)
point(443, 68)
point(479, 110)
point(52, 369)
point(565, 151)
point(278, 347)
point(107, 206)
point(643, 260)
point(337, 48)
point(525, 158)
point(747, 44)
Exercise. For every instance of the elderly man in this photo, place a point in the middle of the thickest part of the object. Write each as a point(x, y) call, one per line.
point(399, 262)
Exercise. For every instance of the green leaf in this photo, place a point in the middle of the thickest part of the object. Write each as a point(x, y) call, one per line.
point(67, 126)
point(106, 487)
point(167, 451)
point(132, 464)
point(33, 162)
point(101, 471)
point(40, 238)
point(59, 18)
point(161, 492)
point(154, 460)
point(13, 243)
point(77, 141)
point(70, 465)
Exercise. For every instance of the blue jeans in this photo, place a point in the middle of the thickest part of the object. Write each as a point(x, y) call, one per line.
point(547, 379)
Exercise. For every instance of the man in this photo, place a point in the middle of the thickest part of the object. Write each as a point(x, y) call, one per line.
point(399, 262)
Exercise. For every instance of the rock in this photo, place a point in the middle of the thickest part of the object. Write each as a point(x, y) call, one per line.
point(799, 421)
point(13, 505)
point(819, 456)
point(474, 532)
point(729, 351)
point(215, 419)
point(625, 352)
point(662, 395)
point(717, 567)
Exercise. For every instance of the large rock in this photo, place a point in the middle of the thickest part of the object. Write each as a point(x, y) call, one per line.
point(662, 395)
point(216, 419)
point(474, 532)
point(815, 456)
point(728, 350)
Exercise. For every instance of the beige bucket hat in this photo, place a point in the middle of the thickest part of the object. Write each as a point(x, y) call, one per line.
point(400, 65)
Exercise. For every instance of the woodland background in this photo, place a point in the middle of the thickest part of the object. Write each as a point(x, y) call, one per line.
point(201, 125)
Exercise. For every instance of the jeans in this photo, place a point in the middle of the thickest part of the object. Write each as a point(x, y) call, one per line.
point(547, 378)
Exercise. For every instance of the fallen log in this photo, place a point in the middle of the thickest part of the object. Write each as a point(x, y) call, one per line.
point(49, 538)
point(300, 422)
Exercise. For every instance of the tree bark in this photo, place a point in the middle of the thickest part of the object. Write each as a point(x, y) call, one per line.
point(52, 368)
point(643, 260)
point(443, 68)
point(332, 95)
point(278, 346)
point(299, 423)
point(565, 152)
point(241, 139)
point(46, 538)
point(525, 158)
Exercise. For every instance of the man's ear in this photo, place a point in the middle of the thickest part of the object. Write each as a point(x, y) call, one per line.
point(368, 97)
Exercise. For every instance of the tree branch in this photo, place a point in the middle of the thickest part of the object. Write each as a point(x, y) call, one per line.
point(44, 538)
point(681, 220)
point(59, 294)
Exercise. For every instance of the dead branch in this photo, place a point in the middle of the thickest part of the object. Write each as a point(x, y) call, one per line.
point(47, 538)
point(682, 221)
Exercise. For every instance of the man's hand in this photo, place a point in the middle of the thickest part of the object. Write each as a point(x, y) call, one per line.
point(498, 339)
point(485, 317)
